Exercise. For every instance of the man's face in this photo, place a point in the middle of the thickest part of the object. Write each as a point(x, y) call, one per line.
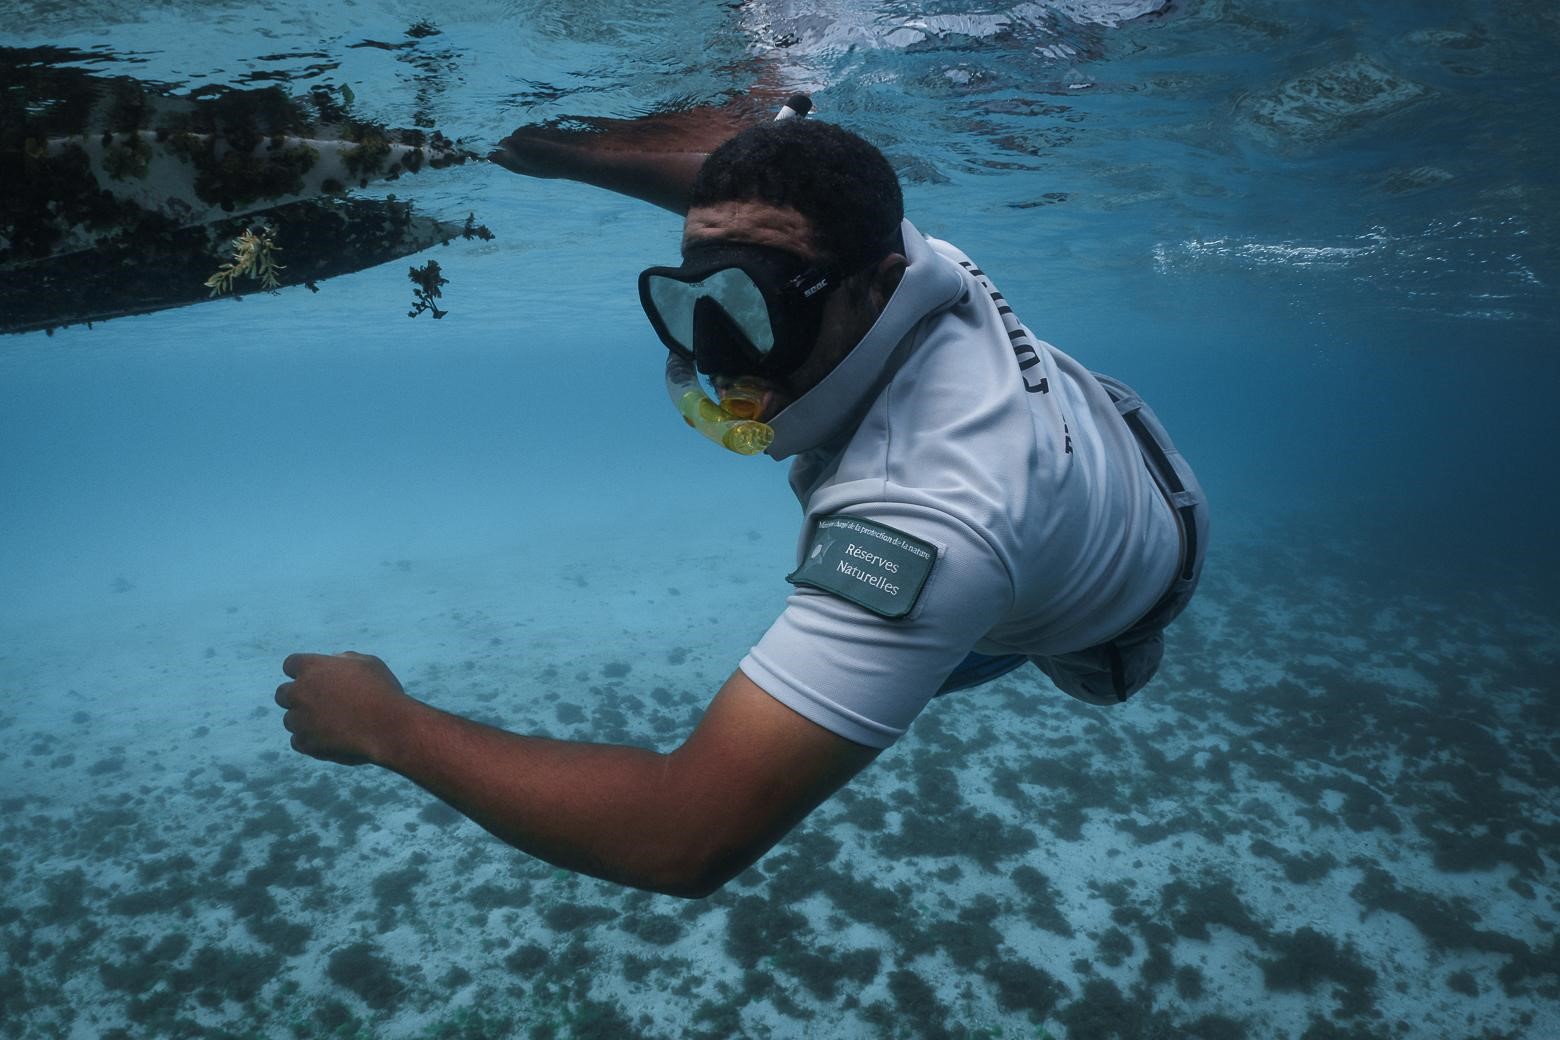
point(848, 313)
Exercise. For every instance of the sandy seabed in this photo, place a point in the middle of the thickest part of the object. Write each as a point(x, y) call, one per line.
point(1332, 816)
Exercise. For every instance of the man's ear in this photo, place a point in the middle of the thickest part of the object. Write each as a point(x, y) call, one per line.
point(886, 275)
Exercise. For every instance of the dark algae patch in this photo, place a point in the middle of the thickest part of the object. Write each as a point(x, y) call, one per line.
point(1307, 959)
point(362, 969)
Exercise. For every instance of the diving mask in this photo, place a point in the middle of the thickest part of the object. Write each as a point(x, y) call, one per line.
point(738, 309)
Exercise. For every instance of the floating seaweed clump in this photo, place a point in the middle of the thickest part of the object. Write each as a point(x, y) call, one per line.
point(254, 256)
point(429, 282)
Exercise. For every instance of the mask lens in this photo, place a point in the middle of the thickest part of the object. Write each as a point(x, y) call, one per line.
point(730, 288)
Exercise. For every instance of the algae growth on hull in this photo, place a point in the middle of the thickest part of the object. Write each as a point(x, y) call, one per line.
point(120, 191)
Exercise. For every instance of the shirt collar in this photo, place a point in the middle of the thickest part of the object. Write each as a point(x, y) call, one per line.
point(834, 407)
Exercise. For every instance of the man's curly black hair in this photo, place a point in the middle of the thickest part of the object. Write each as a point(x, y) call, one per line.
point(840, 182)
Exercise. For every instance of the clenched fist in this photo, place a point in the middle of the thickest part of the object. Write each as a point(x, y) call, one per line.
point(345, 708)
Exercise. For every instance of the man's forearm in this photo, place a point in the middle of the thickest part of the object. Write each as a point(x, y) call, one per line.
point(682, 823)
point(662, 179)
point(600, 809)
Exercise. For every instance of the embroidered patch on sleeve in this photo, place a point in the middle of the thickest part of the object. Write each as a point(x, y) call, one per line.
point(868, 563)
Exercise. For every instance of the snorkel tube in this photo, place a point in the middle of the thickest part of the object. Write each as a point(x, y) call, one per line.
point(796, 107)
point(725, 426)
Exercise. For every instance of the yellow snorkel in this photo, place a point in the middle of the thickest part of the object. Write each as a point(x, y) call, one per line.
point(733, 426)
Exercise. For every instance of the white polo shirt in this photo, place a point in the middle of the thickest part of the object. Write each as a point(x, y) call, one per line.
point(991, 451)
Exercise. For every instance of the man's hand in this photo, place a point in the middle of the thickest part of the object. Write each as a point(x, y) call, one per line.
point(345, 708)
point(541, 151)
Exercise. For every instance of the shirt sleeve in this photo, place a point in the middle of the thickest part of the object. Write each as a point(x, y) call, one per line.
point(866, 677)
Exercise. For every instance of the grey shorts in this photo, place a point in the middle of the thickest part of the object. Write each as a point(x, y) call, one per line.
point(1113, 671)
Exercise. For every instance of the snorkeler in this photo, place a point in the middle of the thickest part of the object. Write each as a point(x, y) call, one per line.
point(975, 501)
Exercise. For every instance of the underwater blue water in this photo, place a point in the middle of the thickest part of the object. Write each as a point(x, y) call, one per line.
point(1320, 239)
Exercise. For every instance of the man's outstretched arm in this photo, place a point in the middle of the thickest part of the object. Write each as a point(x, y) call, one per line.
point(682, 823)
point(654, 158)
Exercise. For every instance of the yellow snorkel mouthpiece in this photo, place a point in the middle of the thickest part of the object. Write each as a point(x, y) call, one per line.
point(733, 426)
